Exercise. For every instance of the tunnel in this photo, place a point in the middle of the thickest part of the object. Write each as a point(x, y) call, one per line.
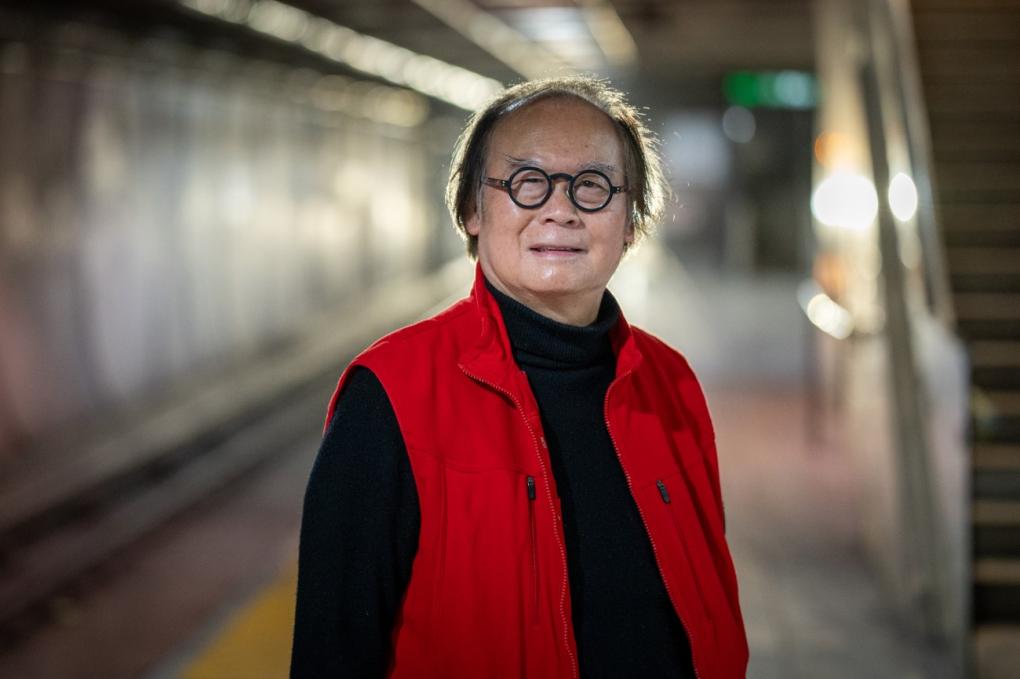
point(209, 208)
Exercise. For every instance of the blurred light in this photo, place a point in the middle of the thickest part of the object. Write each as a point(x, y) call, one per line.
point(609, 32)
point(738, 124)
point(829, 317)
point(845, 200)
point(336, 93)
point(695, 150)
point(453, 84)
point(794, 89)
point(902, 197)
point(824, 313)
point(278, 20)
point(770, 89)
point(832, 149)
point(495, 37)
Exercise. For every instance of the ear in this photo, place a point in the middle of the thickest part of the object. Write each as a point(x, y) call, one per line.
point(473, 224)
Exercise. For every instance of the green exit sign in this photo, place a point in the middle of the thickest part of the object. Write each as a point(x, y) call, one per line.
point(771, 89)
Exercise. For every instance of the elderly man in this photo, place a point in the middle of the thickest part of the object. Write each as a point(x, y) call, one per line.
point(525, 485)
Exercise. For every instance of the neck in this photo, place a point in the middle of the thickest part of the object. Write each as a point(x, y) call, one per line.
point(572, 309)
point(543, 343)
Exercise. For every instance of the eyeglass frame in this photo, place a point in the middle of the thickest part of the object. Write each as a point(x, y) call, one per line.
point(497, 183)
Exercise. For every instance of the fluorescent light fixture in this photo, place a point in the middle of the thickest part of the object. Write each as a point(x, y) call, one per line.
point(398, 65)
point(493, 35)
point(612, 36)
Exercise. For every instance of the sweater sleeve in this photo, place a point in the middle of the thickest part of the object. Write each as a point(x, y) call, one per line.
point(359, 535)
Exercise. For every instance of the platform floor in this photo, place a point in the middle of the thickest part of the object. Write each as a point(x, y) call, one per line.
point(212, 596)
point(811, 608)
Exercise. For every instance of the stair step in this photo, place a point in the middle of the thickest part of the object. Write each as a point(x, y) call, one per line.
point(996, 472)
point(1003, 485)
point(971, 195)
point(1000, 218)
point(979, 268)
point(995, 354)
point(995, 364)
point(984, 282)
point(982, 120)
point(997, 589)
point(984, 260)
point(920, 5)
point(988, 315)
point(956, 130)
point(966, 150)
point(963, 23)
point(968, 64)
point(956, 140)
point(1005, 403)
point(997, 457)
point(979, 176)
point(999, 485)
point(1004, 571)
point(967, 96)
point(990, 305)
point(1004, 513)
point(973, 6)
point(977, 48)
point(996, 540)
point(977, 235)
point(996, 415)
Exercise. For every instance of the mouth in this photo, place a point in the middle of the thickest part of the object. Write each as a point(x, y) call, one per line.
point(555, 249)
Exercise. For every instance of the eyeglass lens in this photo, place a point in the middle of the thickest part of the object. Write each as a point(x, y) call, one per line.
point(530, 188)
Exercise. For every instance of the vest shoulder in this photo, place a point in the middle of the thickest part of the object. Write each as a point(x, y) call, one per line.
point(658, 350)
point(448, 325)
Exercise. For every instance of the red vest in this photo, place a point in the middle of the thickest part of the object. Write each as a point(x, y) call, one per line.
point(488, 595)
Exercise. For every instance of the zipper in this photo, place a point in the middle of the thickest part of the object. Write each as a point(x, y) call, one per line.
point(530, 482)
point(665, 498)
point(552, 509)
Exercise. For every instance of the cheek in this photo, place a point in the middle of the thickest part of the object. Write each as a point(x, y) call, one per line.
point(613, 232)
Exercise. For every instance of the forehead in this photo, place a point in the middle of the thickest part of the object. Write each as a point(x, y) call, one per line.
point(563, 131)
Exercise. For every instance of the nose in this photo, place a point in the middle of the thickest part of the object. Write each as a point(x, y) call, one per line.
point(559, 208)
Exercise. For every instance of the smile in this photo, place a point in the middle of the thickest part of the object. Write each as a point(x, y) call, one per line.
point(548, 249)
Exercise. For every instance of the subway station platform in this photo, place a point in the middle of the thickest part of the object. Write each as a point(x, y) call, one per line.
point(211, 596)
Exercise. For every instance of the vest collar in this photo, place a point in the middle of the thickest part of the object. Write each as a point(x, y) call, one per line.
point(491, 360)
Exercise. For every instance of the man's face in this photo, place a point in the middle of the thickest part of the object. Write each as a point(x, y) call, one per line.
point(521, 250)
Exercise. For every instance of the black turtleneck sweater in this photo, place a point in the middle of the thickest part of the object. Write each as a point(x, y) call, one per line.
point(359, 531)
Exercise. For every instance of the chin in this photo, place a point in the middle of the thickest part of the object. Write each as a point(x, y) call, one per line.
point(556, 285)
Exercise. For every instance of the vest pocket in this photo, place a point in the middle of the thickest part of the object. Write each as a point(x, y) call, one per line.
point(704, 581)
point(533, 543)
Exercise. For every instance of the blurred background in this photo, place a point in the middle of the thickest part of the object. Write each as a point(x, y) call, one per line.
point(207, 207)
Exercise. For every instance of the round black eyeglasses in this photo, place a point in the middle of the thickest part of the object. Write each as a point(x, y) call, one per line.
point(530, 187)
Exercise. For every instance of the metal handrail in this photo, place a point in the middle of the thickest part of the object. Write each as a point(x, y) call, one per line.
point(892, 88)
point(912, 102)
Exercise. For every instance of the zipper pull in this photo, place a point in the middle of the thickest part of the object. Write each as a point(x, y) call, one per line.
point(662, 491)
point(531, 487)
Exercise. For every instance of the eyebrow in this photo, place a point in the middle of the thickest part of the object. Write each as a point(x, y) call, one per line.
point(607, 168)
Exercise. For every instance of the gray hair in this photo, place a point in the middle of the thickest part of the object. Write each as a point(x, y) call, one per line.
point(646, 185)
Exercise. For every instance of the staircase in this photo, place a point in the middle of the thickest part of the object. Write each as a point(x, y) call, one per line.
point(969, 56)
